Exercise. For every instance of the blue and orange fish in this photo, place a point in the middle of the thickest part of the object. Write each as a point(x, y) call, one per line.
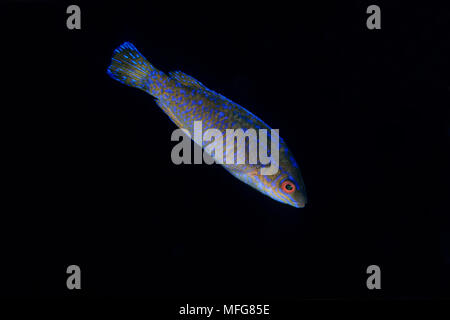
point(185, 100)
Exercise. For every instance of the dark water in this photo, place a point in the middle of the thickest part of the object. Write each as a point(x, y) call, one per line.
point(89, 180)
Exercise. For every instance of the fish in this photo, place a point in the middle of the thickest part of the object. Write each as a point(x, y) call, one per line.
point(186, 100)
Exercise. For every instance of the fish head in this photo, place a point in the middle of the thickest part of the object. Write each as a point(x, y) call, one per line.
point(286, 184)
point(285, 188)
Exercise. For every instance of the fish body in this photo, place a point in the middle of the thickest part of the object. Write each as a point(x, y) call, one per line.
point(185, 100)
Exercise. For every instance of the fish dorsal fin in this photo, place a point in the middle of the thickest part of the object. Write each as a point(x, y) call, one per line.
point(187, 80)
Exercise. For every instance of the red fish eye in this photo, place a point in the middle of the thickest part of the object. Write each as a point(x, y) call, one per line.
point(288, 186)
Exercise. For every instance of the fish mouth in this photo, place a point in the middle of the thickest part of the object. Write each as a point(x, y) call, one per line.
point(299, 204)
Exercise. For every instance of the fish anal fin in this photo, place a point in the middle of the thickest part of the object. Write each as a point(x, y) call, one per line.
point(169, 112)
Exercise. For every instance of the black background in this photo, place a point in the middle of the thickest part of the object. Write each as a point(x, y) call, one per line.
point(89, 180)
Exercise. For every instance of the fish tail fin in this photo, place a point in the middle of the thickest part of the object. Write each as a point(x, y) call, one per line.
point(129, 66)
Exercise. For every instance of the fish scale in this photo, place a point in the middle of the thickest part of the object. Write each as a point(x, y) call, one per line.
point(185, 100)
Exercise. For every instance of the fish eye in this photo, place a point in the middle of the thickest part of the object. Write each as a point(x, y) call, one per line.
point(288, 186)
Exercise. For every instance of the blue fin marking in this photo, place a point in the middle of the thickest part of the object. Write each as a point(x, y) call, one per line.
point(129, 67)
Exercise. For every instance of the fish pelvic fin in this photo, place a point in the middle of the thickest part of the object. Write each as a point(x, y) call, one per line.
point(129, 66)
